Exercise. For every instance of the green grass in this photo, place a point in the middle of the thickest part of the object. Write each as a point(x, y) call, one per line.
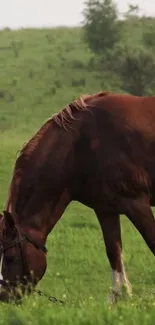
point(37, 79)
point(41, 71)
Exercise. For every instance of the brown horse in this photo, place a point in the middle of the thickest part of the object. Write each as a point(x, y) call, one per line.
point(99, 150)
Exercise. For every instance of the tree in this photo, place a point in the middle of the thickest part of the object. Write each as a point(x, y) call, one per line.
point(149, 32)
point(133, 11)
point(101, 25)
point(136, 67)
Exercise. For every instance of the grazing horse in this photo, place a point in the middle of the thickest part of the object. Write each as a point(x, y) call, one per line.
point(98, 150)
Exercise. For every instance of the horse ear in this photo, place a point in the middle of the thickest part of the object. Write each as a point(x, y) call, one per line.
point(8, 219)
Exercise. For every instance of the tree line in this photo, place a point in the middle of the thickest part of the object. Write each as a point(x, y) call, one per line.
point(123, 45)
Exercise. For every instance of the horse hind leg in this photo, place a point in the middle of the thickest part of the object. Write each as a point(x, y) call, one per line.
point(139, 212)
point(110, 225)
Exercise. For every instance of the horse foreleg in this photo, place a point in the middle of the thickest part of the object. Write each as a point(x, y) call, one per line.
point(110, 226)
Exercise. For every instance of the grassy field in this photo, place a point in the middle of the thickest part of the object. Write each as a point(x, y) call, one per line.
point(41, 71)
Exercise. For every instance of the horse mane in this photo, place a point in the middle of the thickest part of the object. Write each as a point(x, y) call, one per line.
point(62, 119)
point(22, 161)
point(65, 117)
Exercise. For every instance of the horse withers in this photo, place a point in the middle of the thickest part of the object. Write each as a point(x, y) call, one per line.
point(98, 150)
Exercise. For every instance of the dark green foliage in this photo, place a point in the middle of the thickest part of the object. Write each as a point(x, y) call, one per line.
point(149, 33)
point(137, 70)
point(136, 67)
point(101, 25)
point(2, 94)
point(125, 49)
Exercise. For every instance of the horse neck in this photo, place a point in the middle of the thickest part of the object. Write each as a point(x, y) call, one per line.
point(40, 224)
point(40, 217)
point(40, 212)
point(55, 210)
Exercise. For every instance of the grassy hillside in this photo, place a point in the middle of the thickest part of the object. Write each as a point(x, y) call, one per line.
point(41, 71)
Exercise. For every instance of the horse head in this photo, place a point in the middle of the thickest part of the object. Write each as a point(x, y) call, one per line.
point(22, 259)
